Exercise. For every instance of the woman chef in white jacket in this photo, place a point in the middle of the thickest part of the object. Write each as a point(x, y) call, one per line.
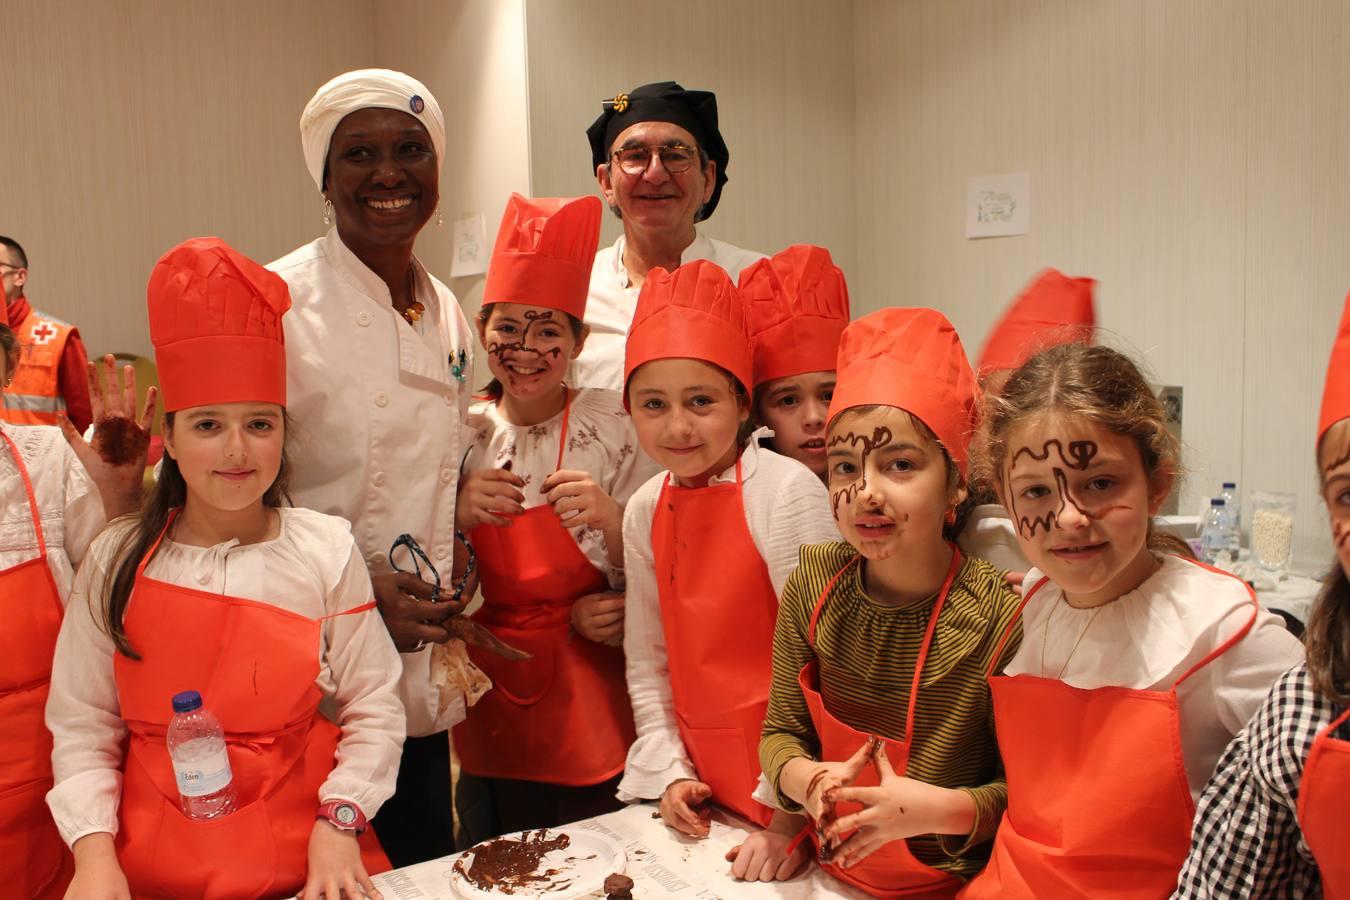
point(377, 352)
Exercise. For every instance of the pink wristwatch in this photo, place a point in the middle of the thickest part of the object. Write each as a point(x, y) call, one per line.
point(343, 815)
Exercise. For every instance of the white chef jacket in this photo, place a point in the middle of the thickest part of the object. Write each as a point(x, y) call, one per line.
point(69, 505)
point(377, 419)
point(613, 298)
point(786, 506)
point(311, 568)
point(1148, 638)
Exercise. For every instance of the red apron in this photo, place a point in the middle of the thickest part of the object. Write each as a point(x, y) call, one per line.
point(1322, 811)
point(255, 666)
point(1098, 800)
point(892, 871)
point(718, 609)
point(563, 716)
point(32, 854)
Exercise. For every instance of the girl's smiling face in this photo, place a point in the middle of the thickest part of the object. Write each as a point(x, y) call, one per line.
point(1081, 500)
point(528, 347)
point(229, 453)
point(1333, 461)
point(890, 482)
point(688, 415)
point(796, 408)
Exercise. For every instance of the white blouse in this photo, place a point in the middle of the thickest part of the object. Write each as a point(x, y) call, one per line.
point(613, 298)
point(312, 568)
point(376, 411)
point(786, 506)
point(600, 440)
point(1150, 637)
point(69, 505)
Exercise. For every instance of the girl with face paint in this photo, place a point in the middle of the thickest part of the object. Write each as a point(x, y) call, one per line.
point(708, 545)
point(882, 644)
point(1272, 821)
point(798, 306)
point(1136, 668)
point(541, 499)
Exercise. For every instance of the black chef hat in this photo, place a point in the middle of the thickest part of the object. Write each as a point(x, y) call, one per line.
point(664, 101)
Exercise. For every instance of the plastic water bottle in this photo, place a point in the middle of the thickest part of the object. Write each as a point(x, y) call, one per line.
point(1215, 534)
point(1233, 503)
point(201, 763)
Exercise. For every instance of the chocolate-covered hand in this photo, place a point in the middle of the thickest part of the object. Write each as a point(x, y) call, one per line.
point(685, 806)
point(116, 458)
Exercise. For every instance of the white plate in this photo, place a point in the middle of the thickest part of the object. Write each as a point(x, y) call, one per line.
point(577, 875)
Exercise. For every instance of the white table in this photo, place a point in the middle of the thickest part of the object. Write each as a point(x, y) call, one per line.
point(661, 863)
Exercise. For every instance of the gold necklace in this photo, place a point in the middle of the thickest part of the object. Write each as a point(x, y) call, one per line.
point(413, 314)
point(1045, 639)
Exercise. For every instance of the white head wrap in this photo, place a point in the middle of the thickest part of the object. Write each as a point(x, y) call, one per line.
point(362, 89)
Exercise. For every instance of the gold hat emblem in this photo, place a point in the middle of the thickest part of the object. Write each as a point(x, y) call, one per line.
point(619, 104)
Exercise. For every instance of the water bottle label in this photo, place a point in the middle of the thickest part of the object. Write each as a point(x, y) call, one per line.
point(203, 776)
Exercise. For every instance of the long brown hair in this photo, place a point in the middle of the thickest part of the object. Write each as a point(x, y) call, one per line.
point(145, 527)
point(1328, 631)
point(1098, 384)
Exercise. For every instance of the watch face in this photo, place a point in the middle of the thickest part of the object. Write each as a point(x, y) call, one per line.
point(345, 814)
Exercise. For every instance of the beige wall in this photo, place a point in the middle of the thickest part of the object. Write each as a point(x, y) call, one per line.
point(1192, 155)
point(133, 125)
point(471, 54)
point(783, 76)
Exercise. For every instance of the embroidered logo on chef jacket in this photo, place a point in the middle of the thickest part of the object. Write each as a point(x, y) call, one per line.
point(458, 362)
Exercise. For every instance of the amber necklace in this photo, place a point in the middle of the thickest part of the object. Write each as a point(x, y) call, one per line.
point(413, 314)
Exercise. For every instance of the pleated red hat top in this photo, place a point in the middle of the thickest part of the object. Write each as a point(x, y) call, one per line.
point(215, 321)
point(1054, 309)
point(694, 312)
point(912, 359)
point(797, 301)
point(545, 247)
point(1336, 391)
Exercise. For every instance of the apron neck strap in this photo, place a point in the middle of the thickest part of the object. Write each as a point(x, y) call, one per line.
point(946, 589)
point(140, 567)
point(1237, 635)
point(28, 489)
point(562, 437)
point(1012, 624)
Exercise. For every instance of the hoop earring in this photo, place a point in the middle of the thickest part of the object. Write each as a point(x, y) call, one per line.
point(327, 211)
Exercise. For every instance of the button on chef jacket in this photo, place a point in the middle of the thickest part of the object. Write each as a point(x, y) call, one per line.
point(377, 419)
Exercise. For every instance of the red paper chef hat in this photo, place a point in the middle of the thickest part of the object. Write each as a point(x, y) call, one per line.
point(798, 306)
point(1336, 392)
point(544, 252)
point(912, 359)
point(215, 321)
point(1054, 309)
point(693, 312)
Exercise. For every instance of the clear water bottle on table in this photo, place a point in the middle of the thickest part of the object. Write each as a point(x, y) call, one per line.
point(201, 763)
point(1216, 535)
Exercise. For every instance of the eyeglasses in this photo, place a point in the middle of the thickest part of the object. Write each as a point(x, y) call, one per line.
point(415, 558)
point(675, 158)
point(10, 266)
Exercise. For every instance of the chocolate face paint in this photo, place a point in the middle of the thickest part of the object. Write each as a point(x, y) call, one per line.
point(881, 436)
point(1078, 457)
point(499, 349)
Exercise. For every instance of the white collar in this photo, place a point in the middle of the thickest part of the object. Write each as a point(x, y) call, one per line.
point(700, 248)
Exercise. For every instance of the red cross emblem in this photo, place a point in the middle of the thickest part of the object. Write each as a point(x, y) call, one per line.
point(43, 333)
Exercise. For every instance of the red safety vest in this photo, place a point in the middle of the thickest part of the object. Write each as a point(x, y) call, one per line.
point(34, 396)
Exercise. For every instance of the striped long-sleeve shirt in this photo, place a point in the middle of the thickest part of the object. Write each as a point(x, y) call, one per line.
point(867, 652)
